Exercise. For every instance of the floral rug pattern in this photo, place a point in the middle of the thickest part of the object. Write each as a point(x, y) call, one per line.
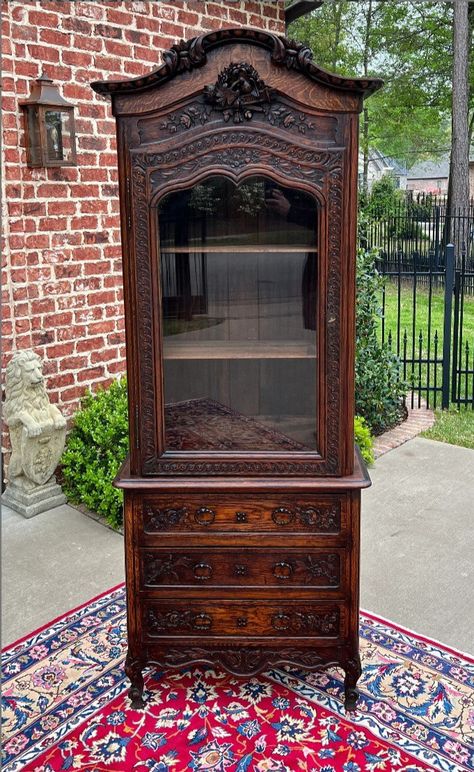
point(65, 707)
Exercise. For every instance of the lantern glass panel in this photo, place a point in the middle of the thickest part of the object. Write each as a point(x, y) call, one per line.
point(34, 141)
point(59, 135)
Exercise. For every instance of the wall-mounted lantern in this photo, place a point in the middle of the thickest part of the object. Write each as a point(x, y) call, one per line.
point(50, 130)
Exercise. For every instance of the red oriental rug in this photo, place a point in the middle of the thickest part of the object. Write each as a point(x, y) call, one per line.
point(65, 707)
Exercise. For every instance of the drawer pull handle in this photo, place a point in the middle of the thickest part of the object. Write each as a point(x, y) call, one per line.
point(202, 571)
point(242, 622)
point(204, 516)
point(281, 621)
point(283, 516)
point(241, 517)
point(240, 570)
point(282, 570)
point(202, 622)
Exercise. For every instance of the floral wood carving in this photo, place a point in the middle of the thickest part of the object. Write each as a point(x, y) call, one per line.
point(156, 519)
point(194, 115)
point(311, 623)
point(246, 660)
point(326, 567)
point(166, 569)
point(239, 92)
point(159, 622)
point(187, 55)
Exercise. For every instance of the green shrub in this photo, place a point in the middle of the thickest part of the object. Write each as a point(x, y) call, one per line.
point(364, 439)
point(96, 447)
point(379, 386)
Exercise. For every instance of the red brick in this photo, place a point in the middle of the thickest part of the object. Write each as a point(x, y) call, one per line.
point(120, 17)
point(51, 190)
point(88, 43)
point(42, 306)
point(104, 356)
point(117, 49)
point(185, 17)
point(55, 37)
point(89, 344)
point(74, 362)
point(43, 53)
point(52, 223)
point(78, 223)
point(77, 58)
point(40, 18)
point(107, 31)
point(24, 32)
point(174, 30)
point(90, 374)
point(62, 207)
point(72, 394)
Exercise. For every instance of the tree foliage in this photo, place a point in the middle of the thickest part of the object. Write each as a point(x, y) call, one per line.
point(409, 44)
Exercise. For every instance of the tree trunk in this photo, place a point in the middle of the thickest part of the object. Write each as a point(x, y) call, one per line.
point(458, 199)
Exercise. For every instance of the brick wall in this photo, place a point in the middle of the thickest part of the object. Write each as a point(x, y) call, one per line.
point(62, 255)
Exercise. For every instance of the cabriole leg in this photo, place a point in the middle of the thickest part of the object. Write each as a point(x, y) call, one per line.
point(133, 669)
point(353, 672)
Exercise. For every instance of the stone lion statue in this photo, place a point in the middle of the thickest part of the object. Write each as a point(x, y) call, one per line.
point(29, 414)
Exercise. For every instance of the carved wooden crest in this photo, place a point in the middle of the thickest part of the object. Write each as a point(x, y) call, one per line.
point(239, 92)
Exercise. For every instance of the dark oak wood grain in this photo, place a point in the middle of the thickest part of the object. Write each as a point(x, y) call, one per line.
point(241, 559)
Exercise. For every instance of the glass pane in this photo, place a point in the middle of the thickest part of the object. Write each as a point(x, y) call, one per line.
point(58, 135)
point(239, 288)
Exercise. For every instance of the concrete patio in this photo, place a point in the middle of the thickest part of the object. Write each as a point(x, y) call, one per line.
point(417, 550)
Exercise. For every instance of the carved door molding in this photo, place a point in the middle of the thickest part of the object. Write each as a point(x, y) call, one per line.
point(236, 153)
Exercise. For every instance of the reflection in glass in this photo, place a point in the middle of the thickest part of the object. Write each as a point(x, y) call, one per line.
point(58, 135)
point(238, 281)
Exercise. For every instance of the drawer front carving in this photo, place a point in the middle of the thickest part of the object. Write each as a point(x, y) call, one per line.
point(312, 568)
point(321, 515)
point(174, 617)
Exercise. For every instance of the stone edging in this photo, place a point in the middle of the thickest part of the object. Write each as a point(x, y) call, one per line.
point(418, 420)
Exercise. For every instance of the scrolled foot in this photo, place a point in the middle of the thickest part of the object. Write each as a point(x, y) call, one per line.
point(350, 699)
point(136, 698)
point(351, 694)
point(133, 669)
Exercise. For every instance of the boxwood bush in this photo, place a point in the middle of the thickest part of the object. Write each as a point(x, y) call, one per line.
point(380, 388)
point(95, 449)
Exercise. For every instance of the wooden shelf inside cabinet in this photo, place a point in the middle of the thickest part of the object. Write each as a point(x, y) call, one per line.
point(239, 350)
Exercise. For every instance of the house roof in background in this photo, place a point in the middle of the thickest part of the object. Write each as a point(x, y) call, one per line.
point(430, 170)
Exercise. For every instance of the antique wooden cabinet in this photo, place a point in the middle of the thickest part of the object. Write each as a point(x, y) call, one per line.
point(238, 184)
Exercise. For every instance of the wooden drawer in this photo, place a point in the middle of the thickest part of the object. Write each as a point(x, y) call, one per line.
point(244, 514)
point(213, 567)
point(243, 619)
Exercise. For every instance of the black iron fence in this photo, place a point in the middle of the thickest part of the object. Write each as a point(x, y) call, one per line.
point(428, 320)
point(414, 232)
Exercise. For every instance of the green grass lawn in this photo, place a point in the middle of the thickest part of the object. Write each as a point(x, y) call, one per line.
point(455, 427)
point(421, 307)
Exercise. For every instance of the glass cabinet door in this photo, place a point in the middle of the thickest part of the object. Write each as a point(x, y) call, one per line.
point(239, 275)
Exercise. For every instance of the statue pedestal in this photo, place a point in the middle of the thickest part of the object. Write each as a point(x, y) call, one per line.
point(29, 499)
